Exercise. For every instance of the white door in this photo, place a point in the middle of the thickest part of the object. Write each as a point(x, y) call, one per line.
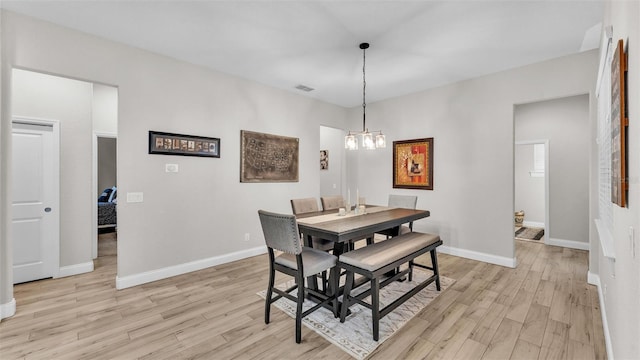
point(35, 221)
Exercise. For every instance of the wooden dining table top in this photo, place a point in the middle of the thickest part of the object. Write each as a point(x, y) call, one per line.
point(331, 226)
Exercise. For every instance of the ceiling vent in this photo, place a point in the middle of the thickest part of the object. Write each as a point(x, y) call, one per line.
point(304, 88)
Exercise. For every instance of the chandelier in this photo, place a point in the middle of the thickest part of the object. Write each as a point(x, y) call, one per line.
point(368, 140)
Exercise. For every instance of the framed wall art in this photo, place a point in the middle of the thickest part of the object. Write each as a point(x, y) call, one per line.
point(184, 145)
point(324, 159)
point(413, 164)
point(268, 158)
point(619, 124)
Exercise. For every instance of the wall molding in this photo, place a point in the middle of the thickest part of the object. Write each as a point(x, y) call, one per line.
point(123, 282)
point(484, 257)
point(594, 279)
point(567, 243)
point(76, 269)
point(8, 309)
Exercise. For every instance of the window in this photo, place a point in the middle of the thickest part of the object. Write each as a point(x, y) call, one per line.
point(538, 161)
point(604, 222)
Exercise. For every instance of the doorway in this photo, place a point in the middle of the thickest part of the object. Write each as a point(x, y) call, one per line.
point(35, 199)
point(531, 184)
point(105, 179)
point(82, 109)
point(563, 126)
point(332, 161)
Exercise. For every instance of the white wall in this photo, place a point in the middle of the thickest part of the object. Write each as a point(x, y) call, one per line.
point(472, 123)
point(529, 191)
point(619, 280)
point(68, 101)
point(565, 123)
point(199, 216)
point(331, 180)
point(105, 109)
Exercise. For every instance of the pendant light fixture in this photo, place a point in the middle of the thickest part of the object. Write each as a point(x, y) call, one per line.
point(368, 142)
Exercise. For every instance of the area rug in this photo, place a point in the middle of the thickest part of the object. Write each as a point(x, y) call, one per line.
point(355, 335)
point(529, 233)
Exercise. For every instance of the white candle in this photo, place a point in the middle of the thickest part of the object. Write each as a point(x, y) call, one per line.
point(349, 196)
point(357, 196)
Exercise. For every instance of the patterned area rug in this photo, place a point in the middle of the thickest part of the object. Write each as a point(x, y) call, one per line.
point(355, 336)
point(529, 233)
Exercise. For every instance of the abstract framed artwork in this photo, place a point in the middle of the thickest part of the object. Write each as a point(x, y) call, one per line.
point(619, 124)
point(184, 145)
point(413, 164)
point(268, 158)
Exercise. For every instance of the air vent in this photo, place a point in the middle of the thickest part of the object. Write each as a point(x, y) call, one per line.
point(304, 88)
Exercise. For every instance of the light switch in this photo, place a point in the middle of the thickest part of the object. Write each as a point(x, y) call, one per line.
point(134, 197)
point(171, 168)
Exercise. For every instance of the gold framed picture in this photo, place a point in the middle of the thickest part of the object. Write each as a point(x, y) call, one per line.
point(413, 164)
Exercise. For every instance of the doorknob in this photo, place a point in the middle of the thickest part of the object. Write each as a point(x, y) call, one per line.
point(47, 209)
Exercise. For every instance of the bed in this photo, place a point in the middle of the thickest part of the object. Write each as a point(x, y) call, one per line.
point(107, 208)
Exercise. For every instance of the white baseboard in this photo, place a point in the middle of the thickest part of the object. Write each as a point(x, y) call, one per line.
point(594, 279)
point(533, 224)
point(76, 269)
point(567, 243)
point(474, 255)
point(123, 282)
point(8, 309)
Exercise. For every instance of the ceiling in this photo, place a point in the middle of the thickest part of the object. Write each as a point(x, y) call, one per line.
point(415, 45)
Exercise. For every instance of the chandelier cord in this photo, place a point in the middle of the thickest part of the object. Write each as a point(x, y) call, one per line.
point(364, 88)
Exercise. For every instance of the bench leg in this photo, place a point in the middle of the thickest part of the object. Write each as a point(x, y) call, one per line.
point(348, 284)
point(436, 272)
point(375, 307)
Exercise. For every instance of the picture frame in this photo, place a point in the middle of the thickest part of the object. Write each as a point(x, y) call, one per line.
point(268, 157)
point(413, 164)
point(164, 143)
point(324, 159)
point(619, 124)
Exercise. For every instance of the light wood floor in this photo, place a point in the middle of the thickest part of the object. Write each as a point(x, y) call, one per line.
point(544, 309)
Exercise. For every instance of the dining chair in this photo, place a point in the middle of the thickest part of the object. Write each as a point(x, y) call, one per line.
point(303, 206)
point(307, 205)
point(336, 202)
point(281, 233)
point(405, 202)
point(332, 202)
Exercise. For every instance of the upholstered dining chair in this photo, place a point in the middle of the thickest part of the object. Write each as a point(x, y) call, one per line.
point(332, 202)
point(405, 202)
point(307, 205)
point(281, 233)
point(303, 206)
point(336, 202)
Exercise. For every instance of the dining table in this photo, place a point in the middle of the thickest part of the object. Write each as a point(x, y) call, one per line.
point(343, 229)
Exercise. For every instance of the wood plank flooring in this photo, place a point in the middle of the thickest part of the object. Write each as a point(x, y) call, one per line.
point(544, 309)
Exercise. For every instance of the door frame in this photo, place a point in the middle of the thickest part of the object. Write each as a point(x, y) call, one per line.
point(55, 197)
point(545, 142)
point(94, 184)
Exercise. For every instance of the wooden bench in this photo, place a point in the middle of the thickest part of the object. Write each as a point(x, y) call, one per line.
point(374, 261)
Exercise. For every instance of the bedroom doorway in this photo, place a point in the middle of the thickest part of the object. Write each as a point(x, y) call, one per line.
point(105, 166)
